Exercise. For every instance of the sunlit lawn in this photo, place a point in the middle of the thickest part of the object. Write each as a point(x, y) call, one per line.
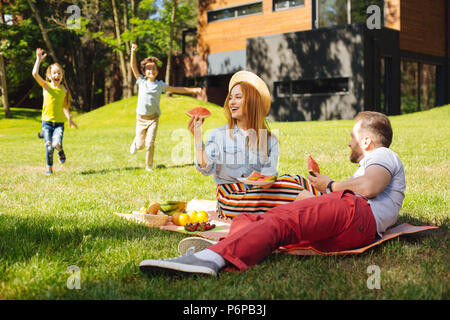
point(48, 224)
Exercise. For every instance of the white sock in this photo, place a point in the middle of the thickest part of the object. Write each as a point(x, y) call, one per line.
point(210, 255)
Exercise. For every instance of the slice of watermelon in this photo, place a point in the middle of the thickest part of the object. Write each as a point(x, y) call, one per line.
point(256, 176)
point(199, 111)
point(312, 166)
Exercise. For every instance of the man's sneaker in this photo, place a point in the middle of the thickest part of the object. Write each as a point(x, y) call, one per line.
point(62, 156)
point(133, 148)
point(193, 245)
point(48, 172)
point(186, 264)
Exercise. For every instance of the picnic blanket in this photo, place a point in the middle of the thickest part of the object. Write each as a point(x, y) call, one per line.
point(223, 227)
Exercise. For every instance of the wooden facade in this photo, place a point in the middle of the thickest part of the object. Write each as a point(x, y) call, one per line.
point(422, 24)
point(422, 27)
point(229, 35)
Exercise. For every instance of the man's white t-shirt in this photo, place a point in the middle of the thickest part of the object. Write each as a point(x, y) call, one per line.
point(387, 204)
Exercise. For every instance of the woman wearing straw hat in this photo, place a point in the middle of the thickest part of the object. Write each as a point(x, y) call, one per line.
point(243, 145)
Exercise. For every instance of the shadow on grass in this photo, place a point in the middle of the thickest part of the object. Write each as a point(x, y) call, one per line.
point(163, 166)
point(24, 114)
point(70, 238)
point(158, 167)
point(109, 170)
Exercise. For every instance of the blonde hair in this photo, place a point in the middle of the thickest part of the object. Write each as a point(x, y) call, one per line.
point(253, 108)
point(48, 73)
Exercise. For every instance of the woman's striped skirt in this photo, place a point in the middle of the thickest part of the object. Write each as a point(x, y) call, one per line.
point(236, 198)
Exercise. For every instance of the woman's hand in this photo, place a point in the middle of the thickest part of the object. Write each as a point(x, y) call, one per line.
point(195, 125)
point(134, 47)
point(40, 55)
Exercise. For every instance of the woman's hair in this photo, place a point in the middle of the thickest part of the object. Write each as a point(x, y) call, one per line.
point(48, 73)
point(254, 112)
point(148, 60)
point(378, 124)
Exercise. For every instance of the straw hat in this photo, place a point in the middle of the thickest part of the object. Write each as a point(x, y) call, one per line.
point(254, 80)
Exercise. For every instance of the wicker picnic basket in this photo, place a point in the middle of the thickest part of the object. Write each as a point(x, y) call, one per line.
point(151, 220)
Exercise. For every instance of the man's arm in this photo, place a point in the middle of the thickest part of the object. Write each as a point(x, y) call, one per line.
point(375, 179)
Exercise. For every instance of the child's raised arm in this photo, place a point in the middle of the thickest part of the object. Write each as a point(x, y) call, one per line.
point(133, 62)
point(40, 55)
point(195, 91)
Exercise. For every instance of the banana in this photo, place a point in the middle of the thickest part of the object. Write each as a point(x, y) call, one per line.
point(170, 207)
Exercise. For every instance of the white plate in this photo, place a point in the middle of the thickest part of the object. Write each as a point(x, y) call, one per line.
point(254, 182)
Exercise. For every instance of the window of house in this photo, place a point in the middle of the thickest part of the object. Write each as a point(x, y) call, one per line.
point(235, 12)
point(418, 86)
point(332, 13)
point(306, 87)
point(287, 4)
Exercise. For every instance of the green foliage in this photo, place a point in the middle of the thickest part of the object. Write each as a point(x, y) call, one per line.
point(88, 53)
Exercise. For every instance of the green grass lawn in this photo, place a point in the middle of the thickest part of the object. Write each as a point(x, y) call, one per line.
point(48, 224)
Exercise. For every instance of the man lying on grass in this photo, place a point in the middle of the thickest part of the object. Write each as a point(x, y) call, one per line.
point(350, 214)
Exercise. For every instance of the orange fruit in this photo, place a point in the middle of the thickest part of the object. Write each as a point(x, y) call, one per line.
point(193, 216)
point(175, 218)
point(183, 219)
point(202, 216)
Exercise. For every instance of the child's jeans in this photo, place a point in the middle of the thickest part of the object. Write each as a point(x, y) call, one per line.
point(53, 135)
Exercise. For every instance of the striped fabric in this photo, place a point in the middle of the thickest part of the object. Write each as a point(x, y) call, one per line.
point(236, 198)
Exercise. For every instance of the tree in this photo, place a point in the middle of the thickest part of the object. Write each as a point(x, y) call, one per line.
point(4, 88)
point(174, 5)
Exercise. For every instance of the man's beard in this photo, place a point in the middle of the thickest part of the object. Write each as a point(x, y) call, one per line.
point(356, 154)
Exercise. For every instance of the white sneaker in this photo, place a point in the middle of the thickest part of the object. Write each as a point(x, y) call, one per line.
point(185, 264)
point(133, 147)
point(193, 245)
point(149, 169)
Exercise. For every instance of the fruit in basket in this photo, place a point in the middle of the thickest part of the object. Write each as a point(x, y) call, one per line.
point(170, 207)
point(143, 210)
point(153, 208)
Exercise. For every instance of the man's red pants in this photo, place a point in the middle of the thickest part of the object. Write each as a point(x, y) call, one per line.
point(331, 222)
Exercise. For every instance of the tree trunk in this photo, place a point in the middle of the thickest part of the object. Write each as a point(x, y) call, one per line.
point(127, 48)
point(79, 70)
point(171, 32)
point(4, 88)
point(123, 68)
point(133, 15)
point(47, 41)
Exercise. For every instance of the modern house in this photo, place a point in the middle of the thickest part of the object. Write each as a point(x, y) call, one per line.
point(324, 59)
